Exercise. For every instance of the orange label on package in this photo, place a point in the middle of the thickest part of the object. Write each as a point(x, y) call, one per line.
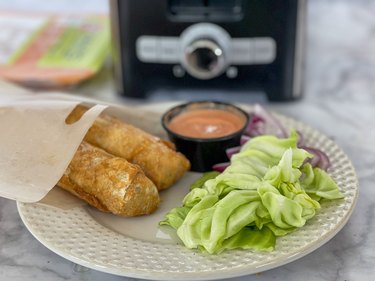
point(46, 50)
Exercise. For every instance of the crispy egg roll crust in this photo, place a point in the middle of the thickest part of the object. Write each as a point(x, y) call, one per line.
point(109, 183)
point(157, 158)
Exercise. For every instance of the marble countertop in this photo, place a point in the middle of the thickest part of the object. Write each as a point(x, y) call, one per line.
point(339, 101)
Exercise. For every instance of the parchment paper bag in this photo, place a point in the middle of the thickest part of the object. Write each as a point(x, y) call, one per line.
point(36, 145)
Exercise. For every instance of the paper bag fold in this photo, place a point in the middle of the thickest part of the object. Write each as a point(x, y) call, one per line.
point(37, 145)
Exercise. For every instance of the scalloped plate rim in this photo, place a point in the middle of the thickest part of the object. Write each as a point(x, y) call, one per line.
point(203, 275)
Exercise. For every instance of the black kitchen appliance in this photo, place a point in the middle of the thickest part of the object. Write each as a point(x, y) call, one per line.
point(240, 45)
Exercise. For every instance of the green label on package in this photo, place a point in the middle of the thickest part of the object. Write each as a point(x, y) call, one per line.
point(80, 44)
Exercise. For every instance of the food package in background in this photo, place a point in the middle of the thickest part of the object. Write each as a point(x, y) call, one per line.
point(52, 50)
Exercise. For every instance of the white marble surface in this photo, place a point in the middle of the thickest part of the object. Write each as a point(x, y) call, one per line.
point(339, 101)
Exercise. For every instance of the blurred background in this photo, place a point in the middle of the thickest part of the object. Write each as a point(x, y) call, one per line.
point(312, 60)
point(336, 50)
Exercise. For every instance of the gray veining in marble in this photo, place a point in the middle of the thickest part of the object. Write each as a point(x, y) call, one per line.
point(339, 101)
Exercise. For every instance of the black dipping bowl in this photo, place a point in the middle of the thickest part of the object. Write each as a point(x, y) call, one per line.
point(203, 153)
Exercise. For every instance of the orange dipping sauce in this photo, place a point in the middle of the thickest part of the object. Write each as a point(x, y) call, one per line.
point(206, 123)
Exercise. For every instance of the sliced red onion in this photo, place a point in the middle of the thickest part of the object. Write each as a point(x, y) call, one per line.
point(232, 150)
point(320, 159)
point(220, 167)
point(244, 139)
point(301, 139)
point(262, 122)
point(314, 161)
point(272, 125)
point(324, 162)
point(256, 126)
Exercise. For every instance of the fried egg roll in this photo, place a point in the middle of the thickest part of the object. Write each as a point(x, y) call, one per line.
point(157, 158)
point(109, 183)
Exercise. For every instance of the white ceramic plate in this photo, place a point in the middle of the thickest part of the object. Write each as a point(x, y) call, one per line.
point(135, 247)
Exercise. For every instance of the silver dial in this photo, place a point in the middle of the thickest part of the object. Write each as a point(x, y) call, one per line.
point(204, 50)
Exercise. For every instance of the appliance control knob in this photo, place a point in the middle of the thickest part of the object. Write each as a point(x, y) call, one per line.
point(204, 50)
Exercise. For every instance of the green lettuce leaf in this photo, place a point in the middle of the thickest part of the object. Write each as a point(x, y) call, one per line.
point(175, 217)
point(284, 212)
point(205, 177)
point(317, 182)
point(251, 238)
point(267, 191)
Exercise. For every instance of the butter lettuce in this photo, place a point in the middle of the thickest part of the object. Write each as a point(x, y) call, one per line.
point(318, 183)
point(268, 190)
